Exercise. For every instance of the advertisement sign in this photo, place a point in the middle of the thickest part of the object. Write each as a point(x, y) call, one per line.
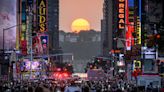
point(24, 47)
point(121, 15)
point(138, 22)
point(40, 44)
point(23, 41)
point(44, 42)
point(129, 23)
point(37, 47)
point(42, 15)
point(26, 65)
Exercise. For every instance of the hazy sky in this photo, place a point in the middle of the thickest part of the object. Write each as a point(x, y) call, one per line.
point(90, 10)
point(8, 19)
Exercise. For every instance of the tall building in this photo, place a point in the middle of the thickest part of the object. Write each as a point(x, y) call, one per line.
point(152, 26)
point(53, 26)
point(108, 26)
point(154, 23)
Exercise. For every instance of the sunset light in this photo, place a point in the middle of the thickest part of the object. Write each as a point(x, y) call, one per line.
point(62, 45)
point(80, 24)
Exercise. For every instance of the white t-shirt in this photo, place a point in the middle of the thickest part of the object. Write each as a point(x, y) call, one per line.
point(72, 89)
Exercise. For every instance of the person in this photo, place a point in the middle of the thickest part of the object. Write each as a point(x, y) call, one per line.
point(39, 89)
point(30, 89)
point(73, 88)
point(85, 88)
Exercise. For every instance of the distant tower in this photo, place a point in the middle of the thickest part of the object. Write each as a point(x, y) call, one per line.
point(53, 26)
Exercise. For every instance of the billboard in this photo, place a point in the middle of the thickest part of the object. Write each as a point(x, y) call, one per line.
point(44, 43)
point(42, 15)
point(26, 65)
point(37, 48)
point(23, 42)
point(138, 22)
point(40, 44)
point(40, 41)
point(129, 23)
point(25, 6)
point(121, 15)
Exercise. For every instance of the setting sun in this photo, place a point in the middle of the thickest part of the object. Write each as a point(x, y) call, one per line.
point(80, 24)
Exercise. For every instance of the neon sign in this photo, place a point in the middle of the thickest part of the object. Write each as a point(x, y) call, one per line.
point(138, 31)
point(129, 23)
point(42, 15)
point(23, 41)
point(121, 14)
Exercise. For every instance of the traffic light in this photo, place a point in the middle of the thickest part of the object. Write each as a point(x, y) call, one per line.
point(157, 38)
point(150, 41)
point(98, 60)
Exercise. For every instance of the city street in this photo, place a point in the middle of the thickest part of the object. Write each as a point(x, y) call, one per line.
point(81, 46)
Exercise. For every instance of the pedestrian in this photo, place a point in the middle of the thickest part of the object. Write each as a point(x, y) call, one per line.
point(39, 89)
point(30, 89)
point(85, 88)
point(148, 89)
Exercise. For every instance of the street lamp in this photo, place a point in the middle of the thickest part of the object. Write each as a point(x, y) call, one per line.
point(4, 29)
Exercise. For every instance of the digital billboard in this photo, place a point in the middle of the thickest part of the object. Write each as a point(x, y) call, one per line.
point(44, 42)
point(26, 65)
point(40, 44)
point(37, 48)
point(129, 24)
point(23, 41)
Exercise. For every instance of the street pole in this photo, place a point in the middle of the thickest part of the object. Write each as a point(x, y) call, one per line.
point(3, 44)
point(30, 37)
point(4, 29)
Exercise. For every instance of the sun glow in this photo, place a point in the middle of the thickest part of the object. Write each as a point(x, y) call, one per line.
point(80, 25)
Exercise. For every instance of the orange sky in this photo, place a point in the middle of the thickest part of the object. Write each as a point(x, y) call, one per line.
point(90, 10)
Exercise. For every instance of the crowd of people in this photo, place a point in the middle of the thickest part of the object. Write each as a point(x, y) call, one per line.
point(73, 86)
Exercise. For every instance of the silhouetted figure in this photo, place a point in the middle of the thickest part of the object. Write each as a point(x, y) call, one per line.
point(39, 89)
point(85, 88)
point(30, 89)
point(119, 90)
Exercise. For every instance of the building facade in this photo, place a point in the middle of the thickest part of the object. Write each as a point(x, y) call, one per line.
point(135, 27)
point(108, 26)
point(40, 18)
point(53, 26)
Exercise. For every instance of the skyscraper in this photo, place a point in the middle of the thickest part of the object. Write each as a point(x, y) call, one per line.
point(108, 25)
point(106, 43)
point(53, 26)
